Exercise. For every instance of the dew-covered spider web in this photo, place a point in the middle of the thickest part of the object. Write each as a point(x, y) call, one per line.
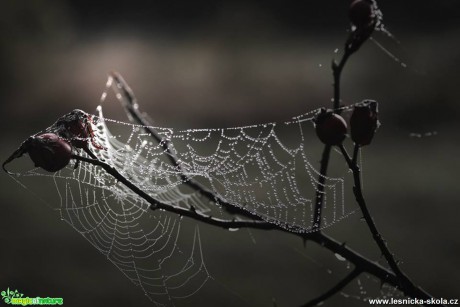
point(268, 170)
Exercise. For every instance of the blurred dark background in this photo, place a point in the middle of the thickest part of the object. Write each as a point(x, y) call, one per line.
point(220, 64)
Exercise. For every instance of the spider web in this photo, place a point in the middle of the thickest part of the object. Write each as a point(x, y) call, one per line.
point(264, 169)
point(365, 289)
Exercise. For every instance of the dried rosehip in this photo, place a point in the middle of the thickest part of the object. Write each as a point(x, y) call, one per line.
point(361, 13)
point(49, 151)
point(364, 122)
point(331, 128)
point(79, 131)
point(52, 148)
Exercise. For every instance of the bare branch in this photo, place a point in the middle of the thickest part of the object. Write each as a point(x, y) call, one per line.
point(355, 40)
point(359, 261)
point(129, 103)
point(357, 190)
point(338, 287)
point(319, 197)
point(191, 212)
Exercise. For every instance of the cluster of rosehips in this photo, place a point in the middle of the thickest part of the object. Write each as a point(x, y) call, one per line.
point(332, 129)
point(52, 149)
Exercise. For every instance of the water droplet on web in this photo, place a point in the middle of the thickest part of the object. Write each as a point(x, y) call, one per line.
point(103, 96)
point(340, 257)
point(255, 167)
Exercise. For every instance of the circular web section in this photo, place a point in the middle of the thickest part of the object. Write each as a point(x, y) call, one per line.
point(262, 169)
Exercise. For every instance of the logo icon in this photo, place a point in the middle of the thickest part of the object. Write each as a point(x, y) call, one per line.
point(14, 297)
point(8, 295)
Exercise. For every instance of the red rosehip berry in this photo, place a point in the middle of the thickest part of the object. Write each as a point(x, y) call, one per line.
point(364, 122)
point(331, 128)
point(49, 151)
point(361, 13)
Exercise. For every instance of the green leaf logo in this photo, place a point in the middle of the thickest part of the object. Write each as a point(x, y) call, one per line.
point(9, 294)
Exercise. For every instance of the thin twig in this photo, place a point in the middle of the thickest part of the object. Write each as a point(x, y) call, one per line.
point(323, 240)
point(355, 154)
point(338, 287)
point(319, 197)
point(131, 106)
point(337, 73)
point(190, 212)
point(359, 261)
point(368, 266)
point(357, 190)
point(129, 103)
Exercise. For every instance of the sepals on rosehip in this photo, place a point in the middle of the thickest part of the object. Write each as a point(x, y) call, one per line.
point(76, 127)
point(364, 122)
point(331, 128)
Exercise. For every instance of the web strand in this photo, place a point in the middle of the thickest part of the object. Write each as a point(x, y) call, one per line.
point(264, 169)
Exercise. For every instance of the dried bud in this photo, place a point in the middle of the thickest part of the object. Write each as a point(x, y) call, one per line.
point(49, 151)
point(364, 17)
point(361, 13)
point(75, 127)
point(364, 122)
point(331, 128)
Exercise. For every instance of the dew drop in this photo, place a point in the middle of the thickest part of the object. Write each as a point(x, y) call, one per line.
point(103, 96)
point(339, 257)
